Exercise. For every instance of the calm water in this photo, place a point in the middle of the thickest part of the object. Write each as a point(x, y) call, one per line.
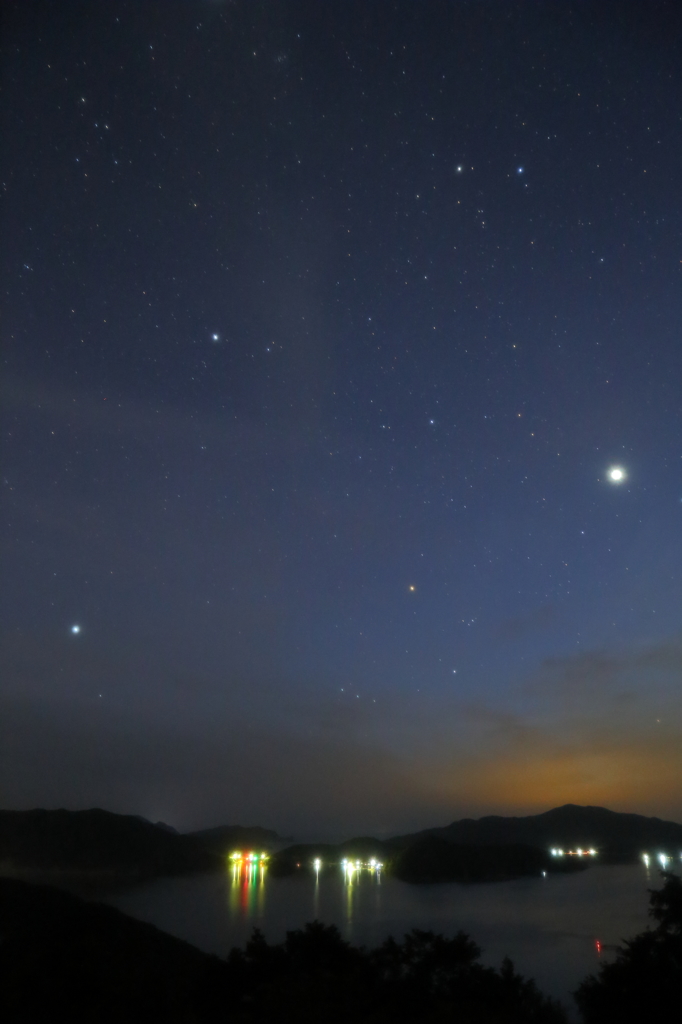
point(548, 926)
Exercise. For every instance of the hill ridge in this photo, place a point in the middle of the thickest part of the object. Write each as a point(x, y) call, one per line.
point(617, 835)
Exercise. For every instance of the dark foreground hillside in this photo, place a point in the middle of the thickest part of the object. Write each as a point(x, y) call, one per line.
point(62, 958)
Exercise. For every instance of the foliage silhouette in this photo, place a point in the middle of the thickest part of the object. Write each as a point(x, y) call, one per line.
point(645, 979)
point(315, 975)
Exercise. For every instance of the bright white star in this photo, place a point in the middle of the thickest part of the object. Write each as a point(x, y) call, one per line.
point(616, 474)
point(75, 629)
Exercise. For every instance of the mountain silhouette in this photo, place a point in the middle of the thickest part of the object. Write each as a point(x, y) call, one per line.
point(97, 841)
point(616, 836)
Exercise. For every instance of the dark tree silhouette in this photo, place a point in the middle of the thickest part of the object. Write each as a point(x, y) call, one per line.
point(645, 980)
point(317, 976)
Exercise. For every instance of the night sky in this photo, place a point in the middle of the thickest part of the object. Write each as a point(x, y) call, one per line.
point(324, 324)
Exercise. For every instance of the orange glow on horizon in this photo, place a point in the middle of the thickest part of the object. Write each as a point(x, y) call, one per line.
point(644, 779)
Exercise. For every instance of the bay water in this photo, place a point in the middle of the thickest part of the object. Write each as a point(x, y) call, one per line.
point(549, 926)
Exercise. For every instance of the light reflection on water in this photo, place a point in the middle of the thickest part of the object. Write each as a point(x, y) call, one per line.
point(246, 890)
point(548, 926)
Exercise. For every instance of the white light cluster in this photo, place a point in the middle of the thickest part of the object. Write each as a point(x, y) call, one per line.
point(663, 859)
point(351, 866)
point(579, 852)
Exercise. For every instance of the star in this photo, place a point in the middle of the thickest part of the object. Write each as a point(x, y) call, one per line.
point(616, 474)
point(75, 629)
